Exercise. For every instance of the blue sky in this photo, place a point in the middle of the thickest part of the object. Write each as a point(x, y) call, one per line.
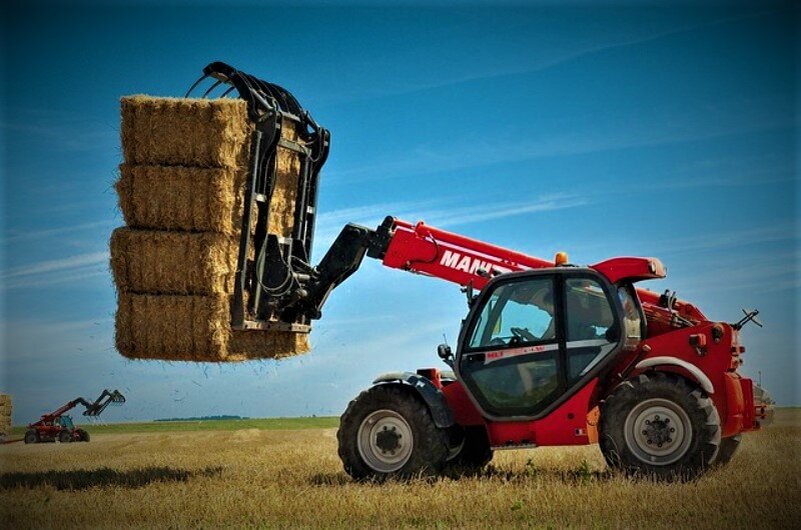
point(635, 129)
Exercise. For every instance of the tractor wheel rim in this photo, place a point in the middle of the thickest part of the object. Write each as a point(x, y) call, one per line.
point(658, 432)
point(385, 441)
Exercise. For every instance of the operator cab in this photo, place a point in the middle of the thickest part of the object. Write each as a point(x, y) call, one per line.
point(65, 422)
point(534, 338)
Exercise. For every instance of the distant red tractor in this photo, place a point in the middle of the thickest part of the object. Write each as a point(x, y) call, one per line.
point(57, 425)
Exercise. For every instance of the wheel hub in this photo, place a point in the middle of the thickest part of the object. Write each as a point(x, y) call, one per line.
point(388, 439)
point(385, 441)
point(658, 431)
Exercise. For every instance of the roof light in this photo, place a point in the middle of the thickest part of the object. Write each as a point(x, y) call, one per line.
point(560, 258)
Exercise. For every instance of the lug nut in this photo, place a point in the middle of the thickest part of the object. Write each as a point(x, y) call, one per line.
point(659, 445)
point(667, 420)
point(656, 417)
point(645, 432)
point(672, 429)
point(650, 442)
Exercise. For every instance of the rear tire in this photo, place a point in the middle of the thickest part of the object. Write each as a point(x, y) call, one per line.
point(387, 431)
point(65, 437)
point(659, 425)
point(31, 437)
point(475, 451)
point(728, 447)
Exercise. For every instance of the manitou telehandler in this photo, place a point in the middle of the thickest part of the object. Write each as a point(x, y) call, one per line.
point(548, 354)
point(57, 425)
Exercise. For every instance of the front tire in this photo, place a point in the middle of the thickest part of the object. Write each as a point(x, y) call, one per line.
point(659, 425)
point(65, 436)
point(388, 431)
point(31, 436)
point(83, 436)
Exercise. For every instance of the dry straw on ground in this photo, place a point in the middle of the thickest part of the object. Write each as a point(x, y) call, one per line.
point(294, 479)
point(181, 191)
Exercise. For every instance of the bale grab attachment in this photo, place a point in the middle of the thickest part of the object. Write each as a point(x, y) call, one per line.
point(272, 270)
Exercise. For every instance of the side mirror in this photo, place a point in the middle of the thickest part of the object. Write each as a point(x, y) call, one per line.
point(444, 352)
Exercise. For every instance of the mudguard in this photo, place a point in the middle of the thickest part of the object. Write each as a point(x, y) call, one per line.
point(431, 395)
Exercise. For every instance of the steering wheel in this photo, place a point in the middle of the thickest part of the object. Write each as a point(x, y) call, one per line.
point(523, 334)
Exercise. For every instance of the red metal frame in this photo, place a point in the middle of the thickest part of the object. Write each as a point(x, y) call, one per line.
point(712, 347)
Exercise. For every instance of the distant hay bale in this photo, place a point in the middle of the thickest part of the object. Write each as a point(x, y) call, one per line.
point(185, 132)
point(193, 328)
point(168, 262)
point(6, 409)
point(182, 198)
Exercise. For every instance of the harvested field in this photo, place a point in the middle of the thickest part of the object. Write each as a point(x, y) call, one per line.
point(293, 478)
point(181, 191)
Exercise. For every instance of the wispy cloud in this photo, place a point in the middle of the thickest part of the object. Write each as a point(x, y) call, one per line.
point(485, 212)
point(17, 235)
point(472, 153)
point(66, 131)
point(745, 237)
point(545, 63)
point(62, 270)
point(436, 214)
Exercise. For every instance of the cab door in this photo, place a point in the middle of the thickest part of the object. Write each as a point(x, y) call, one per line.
point(533, 339)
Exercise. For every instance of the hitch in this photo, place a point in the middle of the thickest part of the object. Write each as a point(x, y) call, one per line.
point(273, 271)
point(750, 316)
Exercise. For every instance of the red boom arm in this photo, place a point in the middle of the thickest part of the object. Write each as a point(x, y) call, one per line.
point(430, 251)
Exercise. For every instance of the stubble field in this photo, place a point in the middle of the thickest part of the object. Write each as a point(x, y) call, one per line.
point(279, 477)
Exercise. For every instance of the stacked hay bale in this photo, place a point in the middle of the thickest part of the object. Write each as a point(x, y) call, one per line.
point(181, 191)
point(5, 415)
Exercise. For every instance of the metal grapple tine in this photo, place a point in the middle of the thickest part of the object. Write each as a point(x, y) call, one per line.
point(194, 86)
point(211, 88)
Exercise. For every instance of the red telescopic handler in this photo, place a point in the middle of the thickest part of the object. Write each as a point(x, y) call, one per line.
point(549, 353)
point(57, 425)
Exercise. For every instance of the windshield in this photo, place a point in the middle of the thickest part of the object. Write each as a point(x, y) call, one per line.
point(516, 313)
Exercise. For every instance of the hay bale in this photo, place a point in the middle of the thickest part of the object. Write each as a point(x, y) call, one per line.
point(182, 198)
point(193, 328)
point(169, 142)
point(185, 132)
point(167, 262)
point(181, 192)
point(285, 192)
point(6, 409)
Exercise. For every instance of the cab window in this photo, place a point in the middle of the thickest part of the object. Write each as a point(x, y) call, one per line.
point(516, 313)
point(590, 327)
